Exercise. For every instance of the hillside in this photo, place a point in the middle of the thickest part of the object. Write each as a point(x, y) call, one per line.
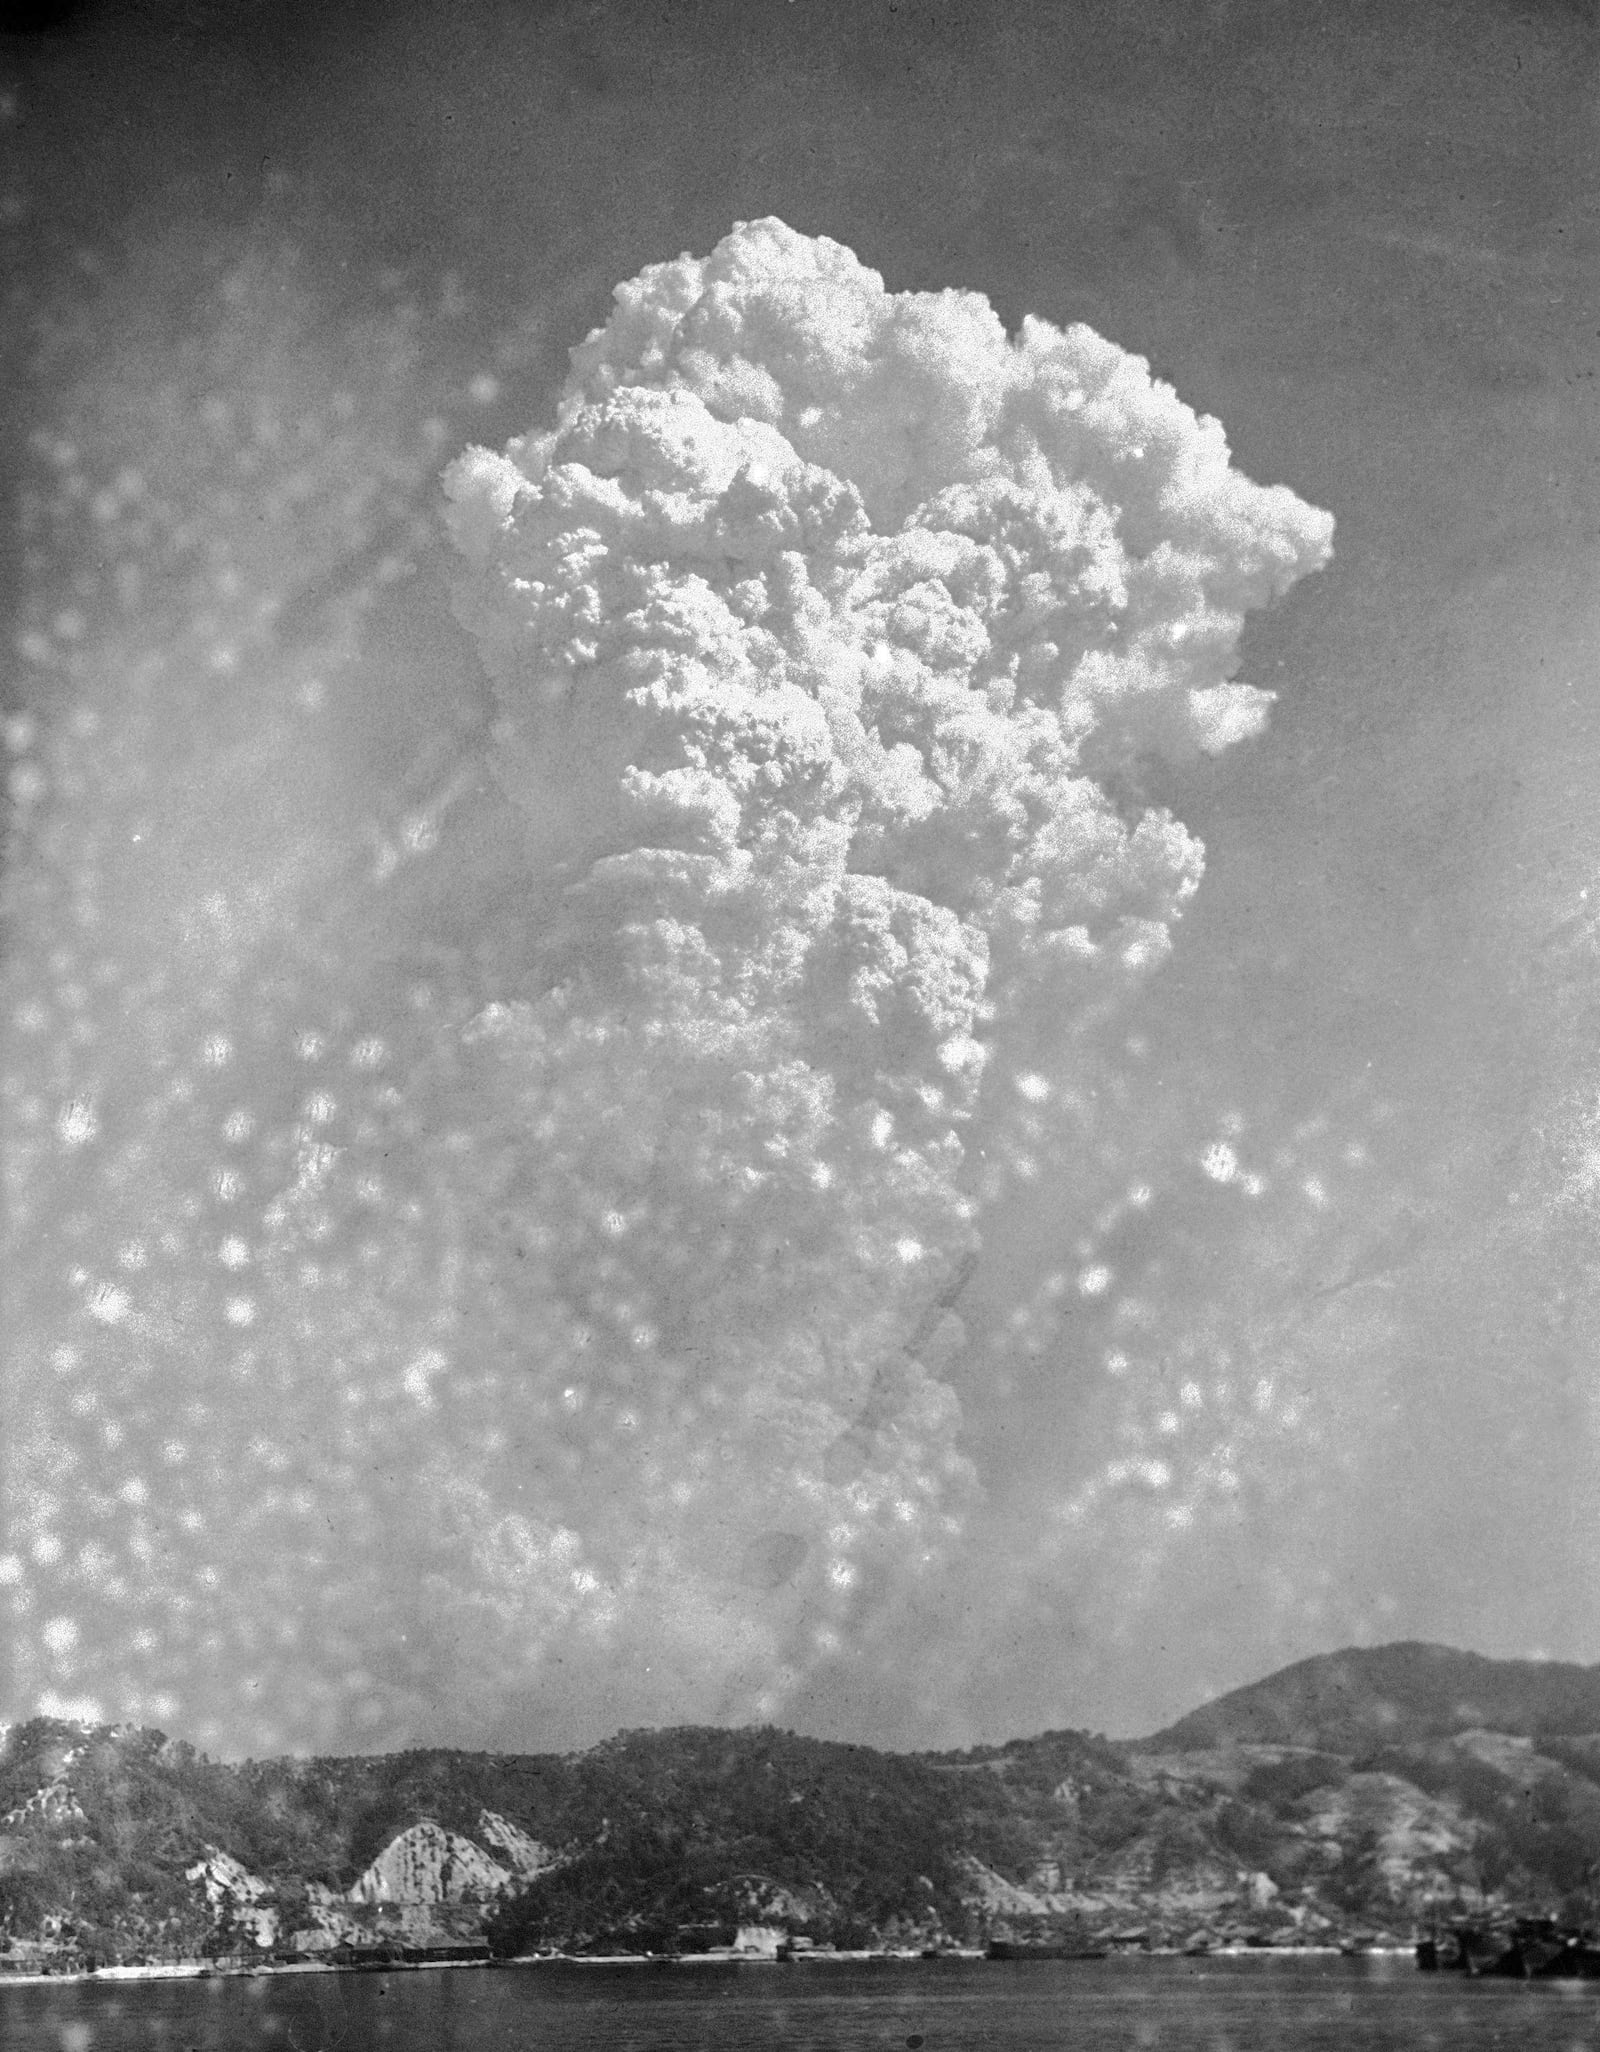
point(1396, 1694)
point(1367, 1793)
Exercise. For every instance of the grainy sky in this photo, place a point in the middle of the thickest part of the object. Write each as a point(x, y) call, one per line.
point(276, 1468)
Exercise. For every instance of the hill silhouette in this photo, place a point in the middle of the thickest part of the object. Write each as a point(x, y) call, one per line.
point(1393, 1695)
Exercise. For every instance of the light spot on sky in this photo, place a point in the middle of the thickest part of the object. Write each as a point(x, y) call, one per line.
point(60, 1635)
point(419, 1376)
point(108, 1304)
point(77, 1123)
point(1220, 1162)
point(27, 784)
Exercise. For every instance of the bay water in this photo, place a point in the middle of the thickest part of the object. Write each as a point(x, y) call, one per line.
point(1144, 2005)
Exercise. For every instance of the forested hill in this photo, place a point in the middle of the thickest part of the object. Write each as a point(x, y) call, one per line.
point(1361, 1795)
point(1378, 1695)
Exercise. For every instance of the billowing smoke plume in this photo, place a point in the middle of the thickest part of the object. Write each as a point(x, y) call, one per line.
point(825, 626)
point(488, 1260)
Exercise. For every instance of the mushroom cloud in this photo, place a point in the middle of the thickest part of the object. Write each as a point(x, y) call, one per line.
point(610, 1331)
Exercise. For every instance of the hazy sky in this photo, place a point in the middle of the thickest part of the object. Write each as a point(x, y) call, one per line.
point(1291, 1343)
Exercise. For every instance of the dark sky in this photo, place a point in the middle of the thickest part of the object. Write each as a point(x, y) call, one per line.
point(267, 270)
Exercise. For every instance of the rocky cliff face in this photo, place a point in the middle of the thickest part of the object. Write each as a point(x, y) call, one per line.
point(428, 1864)
point(428, 1888)
point(238, 1900)
point(524, 1855)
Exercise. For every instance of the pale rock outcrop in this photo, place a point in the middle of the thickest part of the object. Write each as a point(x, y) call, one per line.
point(524, 1855)
point(1006, 1898)
point(428, 1887)
point(330, 1922)
point(53, 1805)
point(1193, 1883)
point(232, 1890)
point(1413, 1832)
point(758, 1941)
point(428, 1864)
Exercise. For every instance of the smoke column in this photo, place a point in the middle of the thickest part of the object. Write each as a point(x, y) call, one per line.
point(599, 1312)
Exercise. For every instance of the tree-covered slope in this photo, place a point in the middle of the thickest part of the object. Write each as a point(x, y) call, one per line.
point(1395, 1694)
point(1373, 1791)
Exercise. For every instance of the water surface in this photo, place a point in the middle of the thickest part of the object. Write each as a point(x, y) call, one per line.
point(1098, 2006)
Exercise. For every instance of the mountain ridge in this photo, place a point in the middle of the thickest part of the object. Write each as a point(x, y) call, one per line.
point(1358, 1793)
point(1367, 1692)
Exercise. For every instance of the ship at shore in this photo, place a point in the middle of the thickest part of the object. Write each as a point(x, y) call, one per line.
point(1532, 1949)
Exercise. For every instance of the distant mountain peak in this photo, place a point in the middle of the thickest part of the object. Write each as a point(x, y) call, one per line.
point(1364, 1696)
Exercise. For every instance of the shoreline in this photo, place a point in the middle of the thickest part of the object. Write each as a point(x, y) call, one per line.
point(206, 1970)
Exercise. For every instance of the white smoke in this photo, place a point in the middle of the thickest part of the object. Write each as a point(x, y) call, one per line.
point(490, 1214)
point(827, 627)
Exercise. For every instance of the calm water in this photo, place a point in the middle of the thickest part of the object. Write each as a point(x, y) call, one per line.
point(1099, 2006)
